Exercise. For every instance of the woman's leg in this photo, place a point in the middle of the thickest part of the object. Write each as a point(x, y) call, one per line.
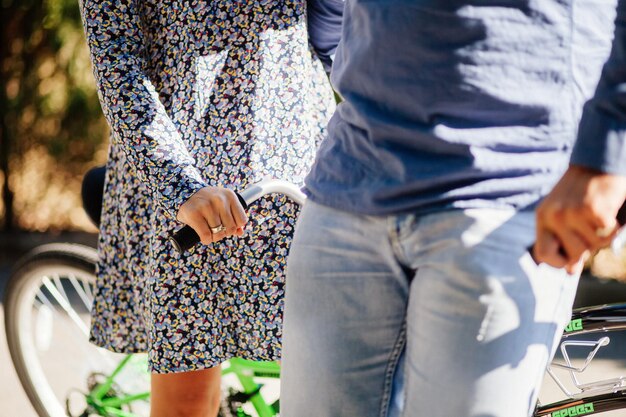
point(186, 394)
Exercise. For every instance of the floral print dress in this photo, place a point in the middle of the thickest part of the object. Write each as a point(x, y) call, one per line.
point(199, 93)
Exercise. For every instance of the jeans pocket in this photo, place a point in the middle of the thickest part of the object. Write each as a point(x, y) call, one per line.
point(553, 289)
point(529, 263)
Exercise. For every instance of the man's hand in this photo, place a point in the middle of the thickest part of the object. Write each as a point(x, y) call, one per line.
point(578, 217)
point(210, 208)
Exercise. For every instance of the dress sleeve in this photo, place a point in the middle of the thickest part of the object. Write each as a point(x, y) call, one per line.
point(138, 120)
point(601, 142)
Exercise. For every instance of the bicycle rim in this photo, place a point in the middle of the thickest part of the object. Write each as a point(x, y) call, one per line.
point(586, 406)
point(47, 303)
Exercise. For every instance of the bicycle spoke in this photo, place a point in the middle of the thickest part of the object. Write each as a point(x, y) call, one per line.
point(59, 286)
point(80, 290)
point(66, 306)
point(49, 312)
point(43, 300)
point(89, 290)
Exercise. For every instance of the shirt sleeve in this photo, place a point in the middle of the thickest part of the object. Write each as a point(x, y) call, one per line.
point(324, 24)
point(601, 141)
point(131, 105)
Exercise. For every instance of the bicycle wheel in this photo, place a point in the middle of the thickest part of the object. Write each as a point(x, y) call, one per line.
point(585, 406)
point(47, 304)
point(588, 368)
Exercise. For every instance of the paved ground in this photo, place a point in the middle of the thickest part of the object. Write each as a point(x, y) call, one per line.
point(14, 403)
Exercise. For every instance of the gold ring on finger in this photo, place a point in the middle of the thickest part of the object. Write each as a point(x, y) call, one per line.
point(217, 229)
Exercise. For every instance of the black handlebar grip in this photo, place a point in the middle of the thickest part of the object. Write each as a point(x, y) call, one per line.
point(186, 238)
point(621, 215)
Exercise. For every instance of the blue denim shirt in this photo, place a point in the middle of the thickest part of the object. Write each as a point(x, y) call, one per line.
point(459, 104)
point(324, 24)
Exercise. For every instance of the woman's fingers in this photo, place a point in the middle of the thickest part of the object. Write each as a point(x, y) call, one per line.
point(214, 213)
point(199, 224)
point(240, 217)
point(230, 214)
point(216, 224)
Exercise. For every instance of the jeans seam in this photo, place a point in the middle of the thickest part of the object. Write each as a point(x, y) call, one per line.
point(553, 317)
point(392, 364)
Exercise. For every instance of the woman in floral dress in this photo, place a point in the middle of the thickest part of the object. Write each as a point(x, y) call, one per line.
point(202, 97)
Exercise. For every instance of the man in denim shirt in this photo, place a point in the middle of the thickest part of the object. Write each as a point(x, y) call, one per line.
point(410, 267)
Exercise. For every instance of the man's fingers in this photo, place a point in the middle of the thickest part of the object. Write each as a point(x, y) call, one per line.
point(603, 221)
point(576, 268)
point(574, 246)
point(580, 211)
point(586, 229)
point(607, 232)
point(547, 249)
point(565, 251)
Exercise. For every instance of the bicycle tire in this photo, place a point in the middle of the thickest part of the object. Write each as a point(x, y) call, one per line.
point(27, 270)
point(586, 406)
point(590, 321)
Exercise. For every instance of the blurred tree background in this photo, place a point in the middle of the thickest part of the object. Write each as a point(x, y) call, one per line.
point(52, 129)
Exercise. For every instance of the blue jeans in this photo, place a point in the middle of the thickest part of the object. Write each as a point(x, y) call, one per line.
point(454, 294)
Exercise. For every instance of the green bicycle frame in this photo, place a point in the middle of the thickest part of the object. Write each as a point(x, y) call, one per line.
point(111, 406)
point(246, 371)
point(104, 404)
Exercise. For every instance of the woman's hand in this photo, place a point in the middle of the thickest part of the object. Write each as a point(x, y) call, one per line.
point(214, 213)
